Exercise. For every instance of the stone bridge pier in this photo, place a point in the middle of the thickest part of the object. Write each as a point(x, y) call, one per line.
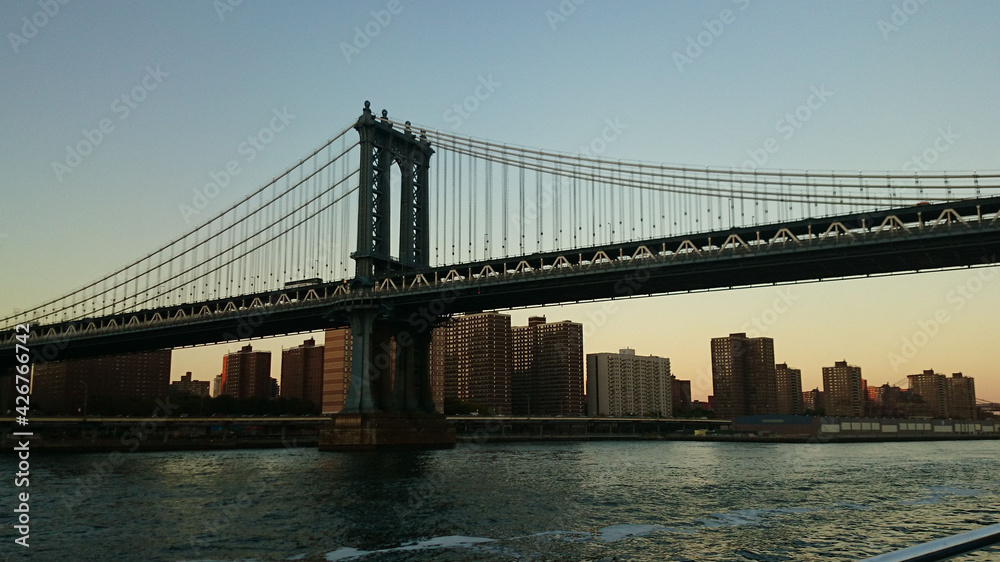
point(389, 401)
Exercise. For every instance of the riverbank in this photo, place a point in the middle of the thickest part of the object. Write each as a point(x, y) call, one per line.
point(722, 438)
point(73, 435)
point(109, 445)
point(101, 446)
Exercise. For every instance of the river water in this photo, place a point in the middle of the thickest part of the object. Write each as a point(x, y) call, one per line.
point(539, 501)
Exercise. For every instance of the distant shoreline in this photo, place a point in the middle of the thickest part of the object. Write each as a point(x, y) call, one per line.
point(733, 438)
point(72, 446)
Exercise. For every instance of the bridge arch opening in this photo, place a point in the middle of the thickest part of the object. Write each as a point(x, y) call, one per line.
point(396, 200)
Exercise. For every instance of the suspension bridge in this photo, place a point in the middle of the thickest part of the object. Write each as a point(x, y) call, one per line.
point(483, 225)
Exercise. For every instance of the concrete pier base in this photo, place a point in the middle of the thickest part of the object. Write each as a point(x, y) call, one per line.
point(353, 432)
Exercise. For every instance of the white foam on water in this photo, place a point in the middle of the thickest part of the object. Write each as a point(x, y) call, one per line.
point(737, 518)
point(442, 542)
point(796, 509)
point(619, 532)
point(452, 541)
point(938, 493)
point(566, 535)
point(849, 505)
point(955, 491)
point(612, 533)
point(742, 517)
point(345, 553)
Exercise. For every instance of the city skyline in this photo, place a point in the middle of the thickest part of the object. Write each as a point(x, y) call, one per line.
point(278, 344)
point(872, 105)
point(311, 373)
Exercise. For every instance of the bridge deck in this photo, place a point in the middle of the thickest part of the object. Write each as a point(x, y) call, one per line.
point(917, 238)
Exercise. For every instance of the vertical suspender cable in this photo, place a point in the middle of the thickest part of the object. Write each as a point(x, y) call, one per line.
point(556, 211)
point(457, 201)
point(487, 206)
point(505, 217)
point(621, 201)
point(631, 197)
point(473, 199)
point(539, 214)
point(438, 220)
point(458, 216)
point(594, 206)
point(521, 197)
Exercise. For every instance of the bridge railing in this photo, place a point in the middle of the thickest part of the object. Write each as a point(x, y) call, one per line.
point(945, 548)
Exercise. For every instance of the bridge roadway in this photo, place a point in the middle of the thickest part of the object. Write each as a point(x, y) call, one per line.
point(916, 238)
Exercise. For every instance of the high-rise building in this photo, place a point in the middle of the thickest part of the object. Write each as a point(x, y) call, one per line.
point(843, 390)
point(788, 382)
point(478, 360)
point(225, 368)
point(547, 376)
point(931, 388)
point(217, 386)
point(872, 399)
point(438, 343)
point(67, 387)
point(336, 369)
point(188, 386)
point(302, 372)
point(626, 384)
point(248, 374)
point(883, 401)
point(961, 392)
point(681, 395)
point(812, 400)
point(743, 377)
point(888, 401)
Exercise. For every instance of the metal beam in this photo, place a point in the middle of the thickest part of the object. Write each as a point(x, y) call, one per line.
point(943, 549)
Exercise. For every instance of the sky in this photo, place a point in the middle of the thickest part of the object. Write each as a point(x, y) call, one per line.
point(166, 93)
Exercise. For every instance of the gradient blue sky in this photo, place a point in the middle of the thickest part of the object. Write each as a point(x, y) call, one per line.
point(557, 79)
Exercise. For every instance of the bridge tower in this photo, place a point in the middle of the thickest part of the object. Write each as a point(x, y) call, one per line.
point(379, 412)
point(382, 148)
